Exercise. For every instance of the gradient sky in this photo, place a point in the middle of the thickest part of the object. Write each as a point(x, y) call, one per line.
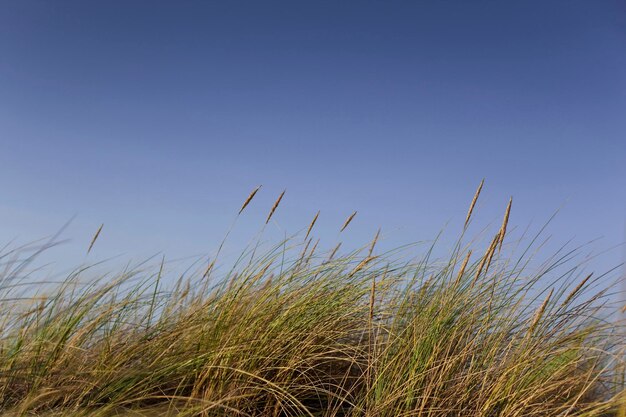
point(159, 118)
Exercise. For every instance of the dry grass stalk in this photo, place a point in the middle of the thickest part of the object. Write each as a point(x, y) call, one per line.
point(313, 250)
point(249, 199)
point(463, 266)
point(262, 272)
point(505, 222)
point(208, 269)
point(362, 265)
point(371, 250)
point(347, 222)
point(156, 289)
point(334, 252)
point(372, 298)
point(95, 237)
point(275, 206)
point(573, 293)
point(496, 240)
point(308, 231)
point(186, 290)
point(473, 203)
point(368, 377)
point(540, 312)
point(304, 250)
point(486, 257)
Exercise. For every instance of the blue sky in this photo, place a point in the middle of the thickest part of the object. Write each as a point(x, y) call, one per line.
point(158, 118)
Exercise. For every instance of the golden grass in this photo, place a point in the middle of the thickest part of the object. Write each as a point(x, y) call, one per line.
point(347, 222)
point(275, 206)
point(294, 331)
point(249, 199)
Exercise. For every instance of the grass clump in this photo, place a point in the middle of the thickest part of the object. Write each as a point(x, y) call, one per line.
point(295, 332)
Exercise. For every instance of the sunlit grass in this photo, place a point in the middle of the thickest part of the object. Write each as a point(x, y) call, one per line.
point(294, 331)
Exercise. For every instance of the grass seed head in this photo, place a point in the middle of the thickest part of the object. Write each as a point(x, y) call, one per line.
point(575, 291)
point(463, 266)
point(249, 199)
point(95, 237)
point(334, 252)
point(473, 203)
point(308, 231)
point(505, 222)
point(347, 222)
point(275, 206)
point(374, 241)
point(540, 312)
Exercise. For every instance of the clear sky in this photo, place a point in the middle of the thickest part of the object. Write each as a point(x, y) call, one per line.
point(158, 119)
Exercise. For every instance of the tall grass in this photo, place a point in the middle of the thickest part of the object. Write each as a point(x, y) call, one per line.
point(294, 331)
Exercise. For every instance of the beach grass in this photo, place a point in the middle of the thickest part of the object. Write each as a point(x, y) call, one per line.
point(297, 331)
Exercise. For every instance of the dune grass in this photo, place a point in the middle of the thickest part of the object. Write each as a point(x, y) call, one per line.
point(294, 331)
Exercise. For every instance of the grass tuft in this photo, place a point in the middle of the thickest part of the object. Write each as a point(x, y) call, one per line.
point(296, 332)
